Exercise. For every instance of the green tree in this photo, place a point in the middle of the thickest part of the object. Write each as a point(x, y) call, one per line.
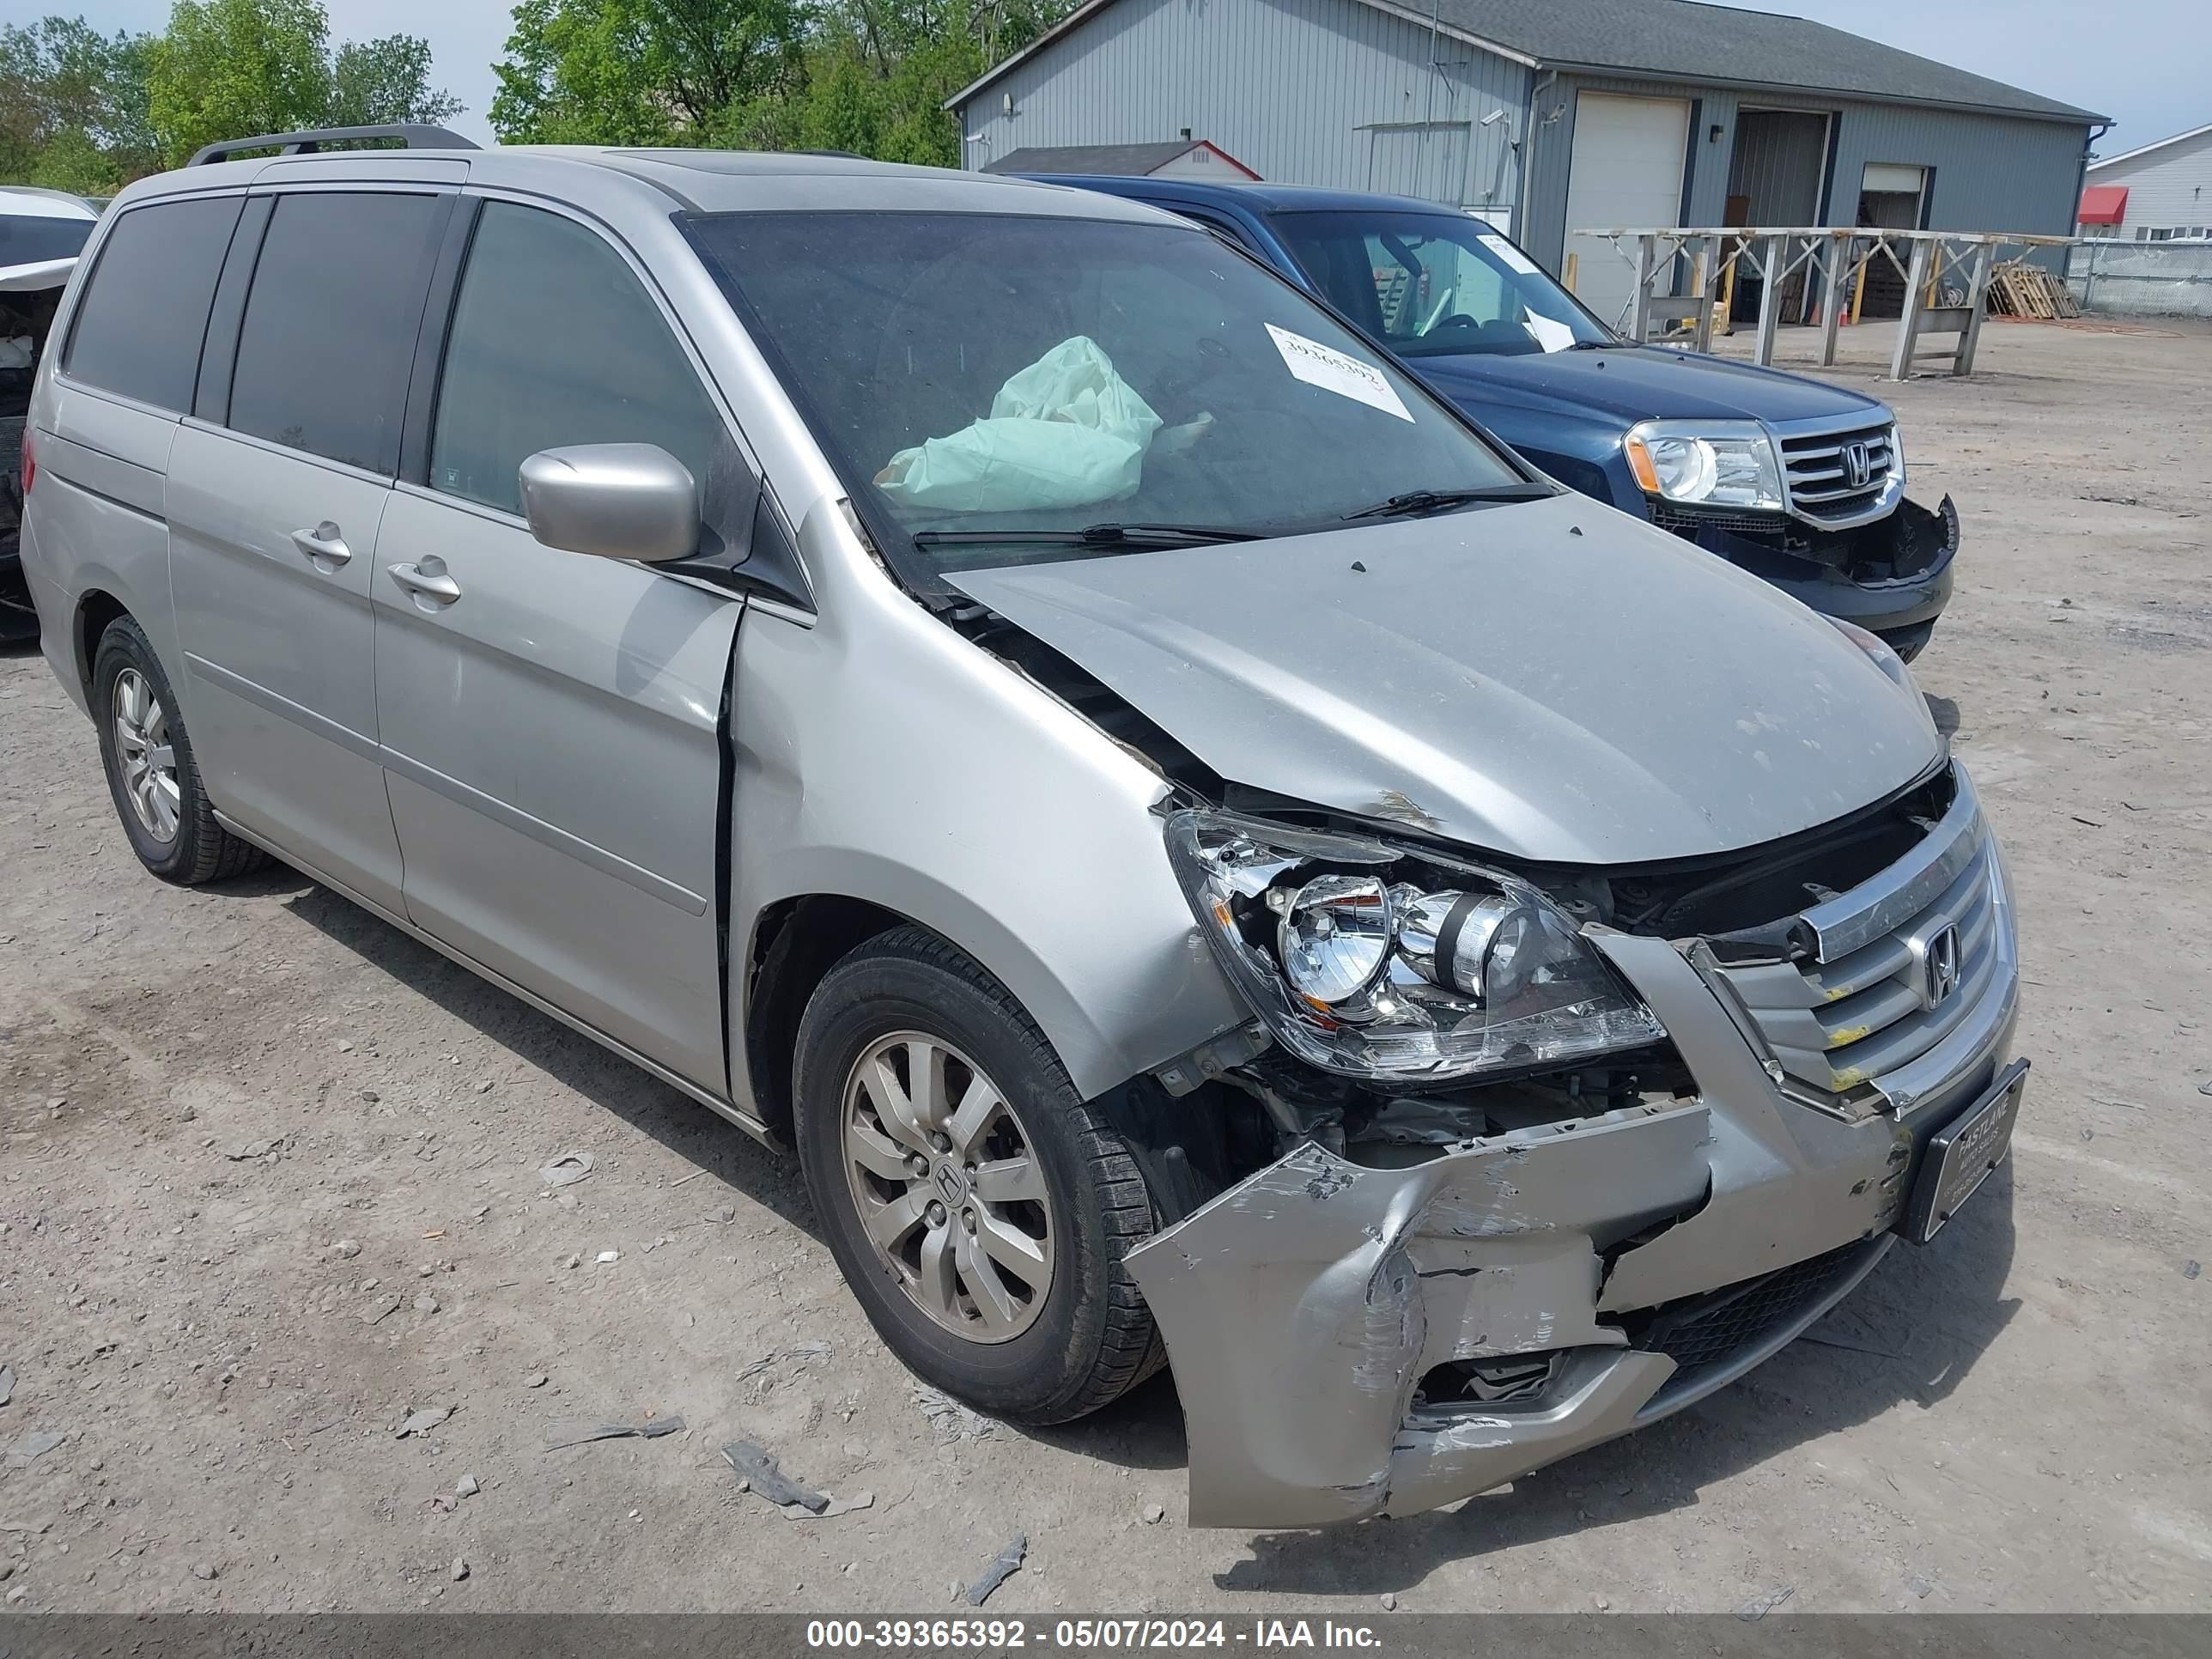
point(374, 81)
point(870, 76)
point(640, 71)
point(880, 70)
point(70, 161)
point(917, 127)
point(89, 113)
point(228, 68)
point(63, 84)
point(844, 104)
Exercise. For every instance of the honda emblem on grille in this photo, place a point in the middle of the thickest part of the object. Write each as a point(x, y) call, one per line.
point(1939, 968)
point(1858, 466)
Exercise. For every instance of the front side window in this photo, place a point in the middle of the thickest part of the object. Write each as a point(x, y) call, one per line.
point(1436, 284)
point(978, 375)
point(145, 313)
point(330, 323)
point(556, 341)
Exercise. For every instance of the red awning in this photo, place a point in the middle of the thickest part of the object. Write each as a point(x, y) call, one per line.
point(2103, 204)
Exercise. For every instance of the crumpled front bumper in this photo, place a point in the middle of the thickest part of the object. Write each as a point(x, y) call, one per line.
point(1925, 540)
point(1303, 1307)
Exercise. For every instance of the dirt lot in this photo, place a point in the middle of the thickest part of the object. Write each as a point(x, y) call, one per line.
point(203, 1093)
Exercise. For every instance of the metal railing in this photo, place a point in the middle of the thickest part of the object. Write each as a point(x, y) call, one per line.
point(1946, 276)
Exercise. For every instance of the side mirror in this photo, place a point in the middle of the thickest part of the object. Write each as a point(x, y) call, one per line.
point(613, 501)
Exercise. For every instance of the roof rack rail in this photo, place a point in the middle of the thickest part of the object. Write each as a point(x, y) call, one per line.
point(413, 134)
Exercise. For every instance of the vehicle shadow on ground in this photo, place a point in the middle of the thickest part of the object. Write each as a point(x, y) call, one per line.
point(1904, 1338)
point(725, 1154)
point(1142, 1430)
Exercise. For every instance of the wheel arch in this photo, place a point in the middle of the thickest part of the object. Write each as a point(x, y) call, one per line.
point(97, 610)
point(794, 943)
point(793, 940)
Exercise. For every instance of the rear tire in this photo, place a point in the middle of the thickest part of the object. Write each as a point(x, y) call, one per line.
point(1033, 1353)
point(151, 775)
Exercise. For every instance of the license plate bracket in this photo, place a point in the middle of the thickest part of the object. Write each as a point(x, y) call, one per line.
point(1962, 1154)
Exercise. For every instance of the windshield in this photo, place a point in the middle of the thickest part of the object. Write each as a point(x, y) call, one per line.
point(29, 239)
point(1436, 284)
point(972, 375)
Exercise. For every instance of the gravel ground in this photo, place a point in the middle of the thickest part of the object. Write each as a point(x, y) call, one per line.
point(243, 1123)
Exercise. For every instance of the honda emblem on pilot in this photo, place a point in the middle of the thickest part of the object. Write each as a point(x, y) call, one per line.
point(1858, 466)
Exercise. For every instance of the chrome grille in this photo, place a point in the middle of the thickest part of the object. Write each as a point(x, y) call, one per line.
point(1894, 966)
point(1819, 471)
point(1688, 521)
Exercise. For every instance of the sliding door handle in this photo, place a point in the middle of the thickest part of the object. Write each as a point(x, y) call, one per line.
point(323, 542)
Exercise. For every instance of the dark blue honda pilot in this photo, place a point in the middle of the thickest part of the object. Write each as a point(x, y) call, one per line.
point(1793, 480)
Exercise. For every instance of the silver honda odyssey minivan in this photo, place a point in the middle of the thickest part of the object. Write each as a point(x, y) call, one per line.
point(1209, 860)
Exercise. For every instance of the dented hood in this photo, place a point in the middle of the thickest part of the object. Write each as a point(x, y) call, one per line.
point(1552, 680)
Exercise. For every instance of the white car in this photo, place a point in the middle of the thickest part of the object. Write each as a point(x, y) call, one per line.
point(41, 234)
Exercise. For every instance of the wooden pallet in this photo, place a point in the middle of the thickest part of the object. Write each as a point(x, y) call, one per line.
point(2018, 288)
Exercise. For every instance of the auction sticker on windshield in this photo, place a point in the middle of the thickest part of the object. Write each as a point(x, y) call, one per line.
point(1333, 371)
point(1512, 255)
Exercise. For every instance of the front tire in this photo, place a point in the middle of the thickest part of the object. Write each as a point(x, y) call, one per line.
point(151, 775)
point(979, 1209)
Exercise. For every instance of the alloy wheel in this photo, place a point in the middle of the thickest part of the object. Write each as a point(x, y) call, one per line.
point(145, 755)
point(948, 1187)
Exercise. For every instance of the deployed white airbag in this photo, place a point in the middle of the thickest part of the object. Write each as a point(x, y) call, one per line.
point(1066, 431)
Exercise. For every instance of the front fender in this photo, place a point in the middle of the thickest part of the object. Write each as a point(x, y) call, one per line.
point(1128, 1005)
point(880, 755)
point(1583, 453)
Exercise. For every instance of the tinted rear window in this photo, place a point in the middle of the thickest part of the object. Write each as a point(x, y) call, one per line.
point(142, 318)
point(32, 241)
point(329, 326)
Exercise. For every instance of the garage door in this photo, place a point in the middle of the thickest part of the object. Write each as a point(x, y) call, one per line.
point(1625, 171)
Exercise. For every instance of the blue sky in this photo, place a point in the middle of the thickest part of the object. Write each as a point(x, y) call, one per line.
point(2140, 61)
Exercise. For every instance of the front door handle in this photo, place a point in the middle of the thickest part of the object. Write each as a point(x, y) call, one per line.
point(323, 542)
point(427, 580)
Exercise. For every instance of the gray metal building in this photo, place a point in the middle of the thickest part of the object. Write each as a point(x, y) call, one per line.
point(1551, 116)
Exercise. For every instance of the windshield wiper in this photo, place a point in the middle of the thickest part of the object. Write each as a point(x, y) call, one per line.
point(1096, 535)
point(1414, 502)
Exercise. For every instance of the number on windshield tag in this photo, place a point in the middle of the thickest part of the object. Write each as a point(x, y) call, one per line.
point(1331, 371)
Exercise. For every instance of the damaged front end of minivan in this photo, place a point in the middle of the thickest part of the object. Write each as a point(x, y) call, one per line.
point(1555, 1153)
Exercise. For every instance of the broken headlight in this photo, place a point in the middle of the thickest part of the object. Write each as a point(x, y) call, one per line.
point(1371, 961)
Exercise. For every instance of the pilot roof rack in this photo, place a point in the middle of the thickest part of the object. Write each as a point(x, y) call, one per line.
point(412, 134)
